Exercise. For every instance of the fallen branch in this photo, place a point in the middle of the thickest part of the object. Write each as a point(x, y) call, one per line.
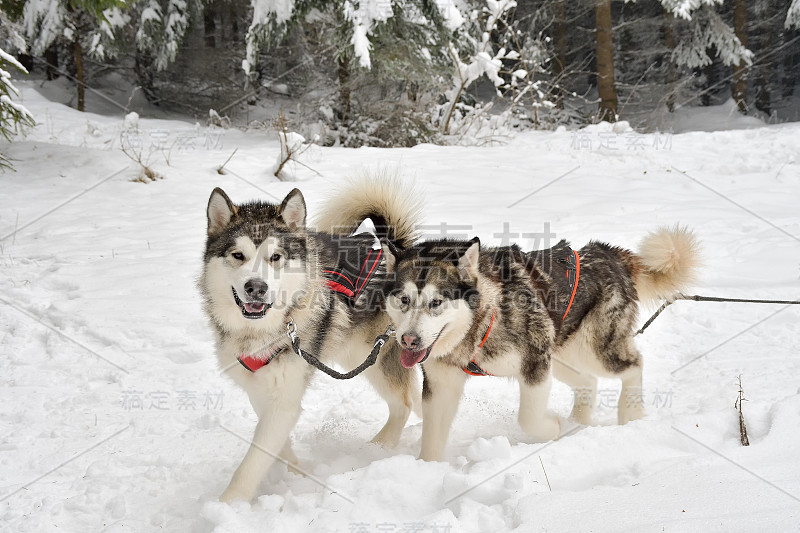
point(221, 168)
point(738, 405)
point(545, 474)
point(146, 174)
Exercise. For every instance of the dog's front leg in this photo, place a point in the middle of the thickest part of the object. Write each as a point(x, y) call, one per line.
point(277, 416)
point(442, 388)
point(534, 392)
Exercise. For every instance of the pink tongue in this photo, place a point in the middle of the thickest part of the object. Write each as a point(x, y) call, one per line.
point(253, 308)
point(409, 358)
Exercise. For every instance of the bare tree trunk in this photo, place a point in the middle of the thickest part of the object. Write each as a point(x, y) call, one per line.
point(144, 67)
point(739, 88)
point(51, 56)
point(76, 44)
point(343, 71)
point(560, 45)
point(764, 72)
point(605, 62)
point(669, 42)
point(210, 26)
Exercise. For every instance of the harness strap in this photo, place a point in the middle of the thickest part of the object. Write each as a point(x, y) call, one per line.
point(375, 263)
point(352, 288)
point(573, 274)
point(576, 268)
point(473, 369)
point(338, 287)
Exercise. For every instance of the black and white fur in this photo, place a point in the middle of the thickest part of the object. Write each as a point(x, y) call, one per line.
point(262, 266)
point(445, 293)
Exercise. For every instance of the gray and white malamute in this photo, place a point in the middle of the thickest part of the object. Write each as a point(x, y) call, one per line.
point(263, 268)
point(461, 310)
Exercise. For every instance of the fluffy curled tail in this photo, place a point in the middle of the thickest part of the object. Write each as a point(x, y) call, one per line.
point(394, 207)
point(669, 258)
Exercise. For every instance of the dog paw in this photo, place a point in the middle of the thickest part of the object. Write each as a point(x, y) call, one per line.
point(233, 494)
point(294, 468)
point(387, 439)
point(430, 456)
point(629, 414)
point(582, 416)
point(545, 429)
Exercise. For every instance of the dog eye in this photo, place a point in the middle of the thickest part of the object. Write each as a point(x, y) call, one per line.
point(405, 300)
point(275, 257)
point(435, 303)
point(239, 256)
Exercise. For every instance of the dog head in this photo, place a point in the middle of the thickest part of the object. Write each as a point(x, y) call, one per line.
point(434, 297)
point(255, 259)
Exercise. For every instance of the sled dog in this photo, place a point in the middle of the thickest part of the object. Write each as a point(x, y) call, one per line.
point(463, 310)
point(263, 267)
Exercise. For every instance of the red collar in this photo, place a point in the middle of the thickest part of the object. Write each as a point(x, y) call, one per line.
point(254, 362)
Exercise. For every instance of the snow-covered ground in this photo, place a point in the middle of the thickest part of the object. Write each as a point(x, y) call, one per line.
point(115, 418)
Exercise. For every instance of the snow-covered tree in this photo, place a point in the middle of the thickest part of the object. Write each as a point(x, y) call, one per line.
point(385, 60)
point(362, 28)
point(482, 59)
point(706, 33)
point(492, 45)
point(272, 18)
point(82, 24)
point(685, 8)
point(13, 116)
point(793, 15)
point(161, 27)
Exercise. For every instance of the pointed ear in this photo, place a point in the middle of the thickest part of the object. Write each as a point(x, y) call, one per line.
point(389, 256)
point(468, 262)
point(293, 210)
point(220, 211)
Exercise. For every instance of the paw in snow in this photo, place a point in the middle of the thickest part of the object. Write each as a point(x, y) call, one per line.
point(543, 429)
point(234, 494)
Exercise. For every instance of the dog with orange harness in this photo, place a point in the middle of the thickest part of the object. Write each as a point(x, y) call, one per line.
point(463, 310)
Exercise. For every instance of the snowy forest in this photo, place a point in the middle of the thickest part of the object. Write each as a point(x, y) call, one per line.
point(527, 122)
point(400, 72)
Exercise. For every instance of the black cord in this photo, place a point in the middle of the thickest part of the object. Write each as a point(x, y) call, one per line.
point(380, 340)
point(698, 298)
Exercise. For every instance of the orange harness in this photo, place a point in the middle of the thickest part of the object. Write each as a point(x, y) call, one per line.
point(577, 269)
point(474, 370)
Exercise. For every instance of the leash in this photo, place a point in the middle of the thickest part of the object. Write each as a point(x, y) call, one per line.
point(697, 298)
point(380, 340)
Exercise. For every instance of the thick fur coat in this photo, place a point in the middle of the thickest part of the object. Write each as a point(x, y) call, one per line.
point(262, 267)
point(457, 305)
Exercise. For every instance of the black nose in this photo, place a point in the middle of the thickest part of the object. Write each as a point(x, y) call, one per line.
point(256, 288)
point(410, 341)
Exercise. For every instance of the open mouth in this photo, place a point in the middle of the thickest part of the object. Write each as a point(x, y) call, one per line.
point(409, 358)
point(252, 310)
